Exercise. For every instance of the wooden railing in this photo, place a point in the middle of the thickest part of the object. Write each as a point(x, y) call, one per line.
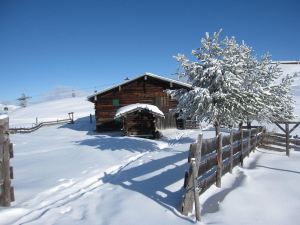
point(6, 171)
point(211, 158)
point(278, 142)
point(24, 130)
point(191, 124)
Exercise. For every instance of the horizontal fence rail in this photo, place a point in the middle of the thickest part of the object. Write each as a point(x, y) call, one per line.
point(24, 130)
point(214, 158)
point(191, 124)
point(278, 142)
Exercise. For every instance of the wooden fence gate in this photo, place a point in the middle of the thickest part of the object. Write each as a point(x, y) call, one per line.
point(282, 142)
point(6, 171)
point(279, 142)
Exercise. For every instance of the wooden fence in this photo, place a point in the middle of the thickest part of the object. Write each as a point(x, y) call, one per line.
point(279, 142)
point(211, 158)
point(191, 124)
point(40, 125)
point(6, 171)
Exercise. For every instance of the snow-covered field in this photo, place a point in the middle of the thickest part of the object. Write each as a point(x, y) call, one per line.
point(68, 174)
point(51, 110)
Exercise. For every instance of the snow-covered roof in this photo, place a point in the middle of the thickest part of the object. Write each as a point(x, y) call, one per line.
point(138, 77)
point(138, 106)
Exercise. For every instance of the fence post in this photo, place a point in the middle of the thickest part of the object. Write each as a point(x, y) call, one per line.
point(287, 137)
point(256, 135)
point(231, 151)
point(242, 154)
point(91, 121)
point(6, 171)
point(198, 150)
point(219, 160)
point(249, 142)
point(196, 190)
point(188, 199)
point(71, 116)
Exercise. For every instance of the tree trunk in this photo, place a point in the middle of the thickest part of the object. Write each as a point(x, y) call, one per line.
point(248, 125)
point(217, 128)
point(240, 125)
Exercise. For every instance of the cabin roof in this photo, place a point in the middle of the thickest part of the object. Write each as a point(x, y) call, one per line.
point(136, 107)
point(164, 79)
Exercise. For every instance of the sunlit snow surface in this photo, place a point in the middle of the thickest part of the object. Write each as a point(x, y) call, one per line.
point(68, 174)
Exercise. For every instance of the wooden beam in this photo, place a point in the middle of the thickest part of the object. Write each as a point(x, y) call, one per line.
point(287, 139)
point(278, 125)
point(198, 149)
point(231, 151)
point(195, 187)
point(6, 175)
point(219, 161)
point(242, 144)
point(296, 125)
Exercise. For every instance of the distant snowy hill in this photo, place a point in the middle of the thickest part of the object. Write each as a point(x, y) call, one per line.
point(51, 110)
point(291, 69)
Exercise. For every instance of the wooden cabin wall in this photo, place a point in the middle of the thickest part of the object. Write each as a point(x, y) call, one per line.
point(140, 91)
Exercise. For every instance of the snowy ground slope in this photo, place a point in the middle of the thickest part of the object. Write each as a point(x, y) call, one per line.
point(67, 174)
point(51, 110)
point(291, 69)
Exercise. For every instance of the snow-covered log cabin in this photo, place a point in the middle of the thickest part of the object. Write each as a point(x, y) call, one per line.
point(145, 89)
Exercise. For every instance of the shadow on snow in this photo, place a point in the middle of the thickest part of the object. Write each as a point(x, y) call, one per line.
point(114, 141)
point(81, 124)
point(166, 172)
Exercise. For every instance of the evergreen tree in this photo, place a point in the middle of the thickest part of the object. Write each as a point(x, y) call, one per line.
point(231, 85)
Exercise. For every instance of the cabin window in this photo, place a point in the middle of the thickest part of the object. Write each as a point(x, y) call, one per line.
point(116, 102)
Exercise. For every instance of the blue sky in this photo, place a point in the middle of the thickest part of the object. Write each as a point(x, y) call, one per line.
point(85, 44)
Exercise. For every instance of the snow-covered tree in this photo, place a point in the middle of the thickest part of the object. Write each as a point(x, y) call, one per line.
point(230, 84)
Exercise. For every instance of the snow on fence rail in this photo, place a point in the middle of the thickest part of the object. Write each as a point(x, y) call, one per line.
point(42, 124)
point(6, 171)
point(212, 158)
